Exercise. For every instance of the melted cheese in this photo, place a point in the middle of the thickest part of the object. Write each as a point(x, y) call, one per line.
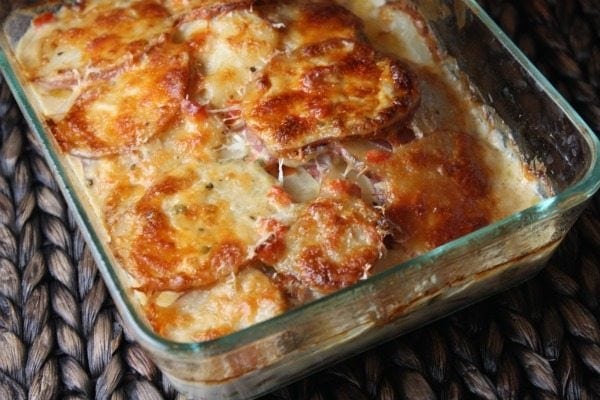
point(235, 303)
point(327, 90)
point(228, 48)
point(434, 189)
point(116, 182)
point(90, 41)
point(195, 225)
point(334, 242)
point(312, 21)
point(123, 112)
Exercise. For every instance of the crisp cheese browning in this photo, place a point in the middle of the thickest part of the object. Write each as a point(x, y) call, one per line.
point(119, 113)
point(434, 189)
point(90, 41)
point(243, 157)
point(306, 22)
point(334, 242)
point(196, 225)
point(327, 90)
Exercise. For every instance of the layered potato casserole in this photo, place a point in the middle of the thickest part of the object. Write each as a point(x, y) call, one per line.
point(244, 157)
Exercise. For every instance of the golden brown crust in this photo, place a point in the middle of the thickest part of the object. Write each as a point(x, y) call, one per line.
point(118, 114)
point(81, 43)
point(303, 22)
point(334, 242)
point(196, 225)
point(434, 189)
point(226, 307)
point(157, 251)
point(327, 90)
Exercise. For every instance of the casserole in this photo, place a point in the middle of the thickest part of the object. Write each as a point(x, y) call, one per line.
point(267, 354)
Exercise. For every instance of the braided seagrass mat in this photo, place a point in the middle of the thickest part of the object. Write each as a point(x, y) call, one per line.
point(60, 336)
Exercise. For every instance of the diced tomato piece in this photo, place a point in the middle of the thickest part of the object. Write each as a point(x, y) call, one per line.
point(43, 19)
point(377, 156)
point(279, 195)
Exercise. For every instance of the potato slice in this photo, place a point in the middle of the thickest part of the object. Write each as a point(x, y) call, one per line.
point(121, 113)
point(233, 304)
point(327, 90)
point(195, 225)
point(91, 41)
point(434, 189)
point(303, 22)
point(334, 242)
point(226, 49)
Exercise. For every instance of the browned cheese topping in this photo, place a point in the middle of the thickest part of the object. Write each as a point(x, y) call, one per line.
point(333, 243)
point(247, 156)
point(116, 114)
point(91, 42)
point(327, 90)
point(196, 225)
point(307, 22)
point(434, 190)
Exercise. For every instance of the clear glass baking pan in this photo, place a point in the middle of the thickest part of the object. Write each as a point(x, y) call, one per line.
point(552, 138)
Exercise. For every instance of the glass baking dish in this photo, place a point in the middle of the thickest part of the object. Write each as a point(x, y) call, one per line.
point(551, 137)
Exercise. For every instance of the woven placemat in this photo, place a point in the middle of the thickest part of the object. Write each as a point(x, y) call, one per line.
point(60, 336)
